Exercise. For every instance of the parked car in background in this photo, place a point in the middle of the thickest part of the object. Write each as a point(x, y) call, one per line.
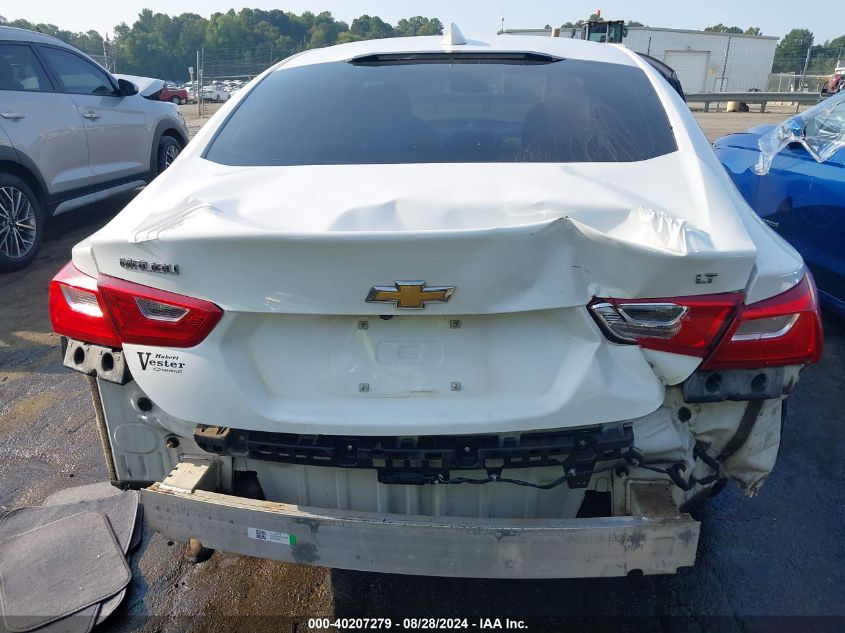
point(508, 318)
point(70, 134)
point(793, 176)
point(179, 96)
point(835, 83)
point(215, 93)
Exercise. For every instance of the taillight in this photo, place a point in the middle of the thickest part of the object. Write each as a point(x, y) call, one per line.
point(77, 310)
point(111, 311)
point(147, 316)
point(683, 325)
point(783, 330)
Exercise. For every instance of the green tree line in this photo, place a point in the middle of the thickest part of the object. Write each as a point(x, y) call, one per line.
point(791, 53)
point(161, 45)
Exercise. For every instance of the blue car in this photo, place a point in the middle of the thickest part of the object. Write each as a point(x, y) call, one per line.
point(793, 176)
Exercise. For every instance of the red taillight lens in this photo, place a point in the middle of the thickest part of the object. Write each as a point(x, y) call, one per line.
point(147, 316)
point(683, 325)
point(109, 311)
point(77, 310)
point(783, 330)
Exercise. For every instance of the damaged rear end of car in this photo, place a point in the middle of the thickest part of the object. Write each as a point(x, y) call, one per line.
point(474, 318)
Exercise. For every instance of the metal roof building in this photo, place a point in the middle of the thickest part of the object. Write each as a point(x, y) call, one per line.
point(709, 62)
point(704, 61)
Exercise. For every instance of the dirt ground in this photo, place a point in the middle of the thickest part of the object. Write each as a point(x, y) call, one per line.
point(763, 563)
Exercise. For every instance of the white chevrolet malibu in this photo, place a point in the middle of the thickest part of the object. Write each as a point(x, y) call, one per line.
point(441, 306)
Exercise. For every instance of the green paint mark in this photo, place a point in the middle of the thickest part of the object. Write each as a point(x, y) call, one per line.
point(292, 539)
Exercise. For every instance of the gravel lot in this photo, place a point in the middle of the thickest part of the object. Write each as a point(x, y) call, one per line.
point(778, 555)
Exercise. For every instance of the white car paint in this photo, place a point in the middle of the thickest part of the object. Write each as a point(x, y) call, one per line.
point(215, 93)
point(147, 86)
point(290, 252)
point(527, 245)
point(562, 249)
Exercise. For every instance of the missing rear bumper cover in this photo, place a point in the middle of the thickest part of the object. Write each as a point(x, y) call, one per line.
point(426, 459)
point(95, 360)
point(736, 384)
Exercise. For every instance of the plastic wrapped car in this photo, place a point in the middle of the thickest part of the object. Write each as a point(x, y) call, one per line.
point(793, 175)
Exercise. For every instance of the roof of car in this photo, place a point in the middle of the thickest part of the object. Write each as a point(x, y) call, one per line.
point(556, 46)
point(25, 35)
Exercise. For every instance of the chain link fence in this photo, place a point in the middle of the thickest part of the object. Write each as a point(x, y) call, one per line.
point(792, 82)
point(229, 70)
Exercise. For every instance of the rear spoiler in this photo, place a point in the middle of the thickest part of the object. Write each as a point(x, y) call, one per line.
point(667, 72)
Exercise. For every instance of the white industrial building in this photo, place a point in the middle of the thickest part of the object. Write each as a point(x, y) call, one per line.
point(703, 61)
point(709, 62)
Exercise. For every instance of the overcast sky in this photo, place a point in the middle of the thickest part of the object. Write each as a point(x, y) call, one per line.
point(825, 18)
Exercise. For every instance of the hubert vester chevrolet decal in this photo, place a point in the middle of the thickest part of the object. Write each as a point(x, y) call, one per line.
point(168, 363)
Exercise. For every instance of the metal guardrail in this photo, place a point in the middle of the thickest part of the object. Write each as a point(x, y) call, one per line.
point(752, 97)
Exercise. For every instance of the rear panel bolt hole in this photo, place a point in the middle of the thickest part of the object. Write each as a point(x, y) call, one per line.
point(144, 404)
point(758, 384)
point(684, 414)
point(172, 441)
point(78, 356)
point(107, 362)
point(713, 384)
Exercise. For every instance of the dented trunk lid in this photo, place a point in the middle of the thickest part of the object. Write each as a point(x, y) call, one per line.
point(291, 254)
point(313, 240)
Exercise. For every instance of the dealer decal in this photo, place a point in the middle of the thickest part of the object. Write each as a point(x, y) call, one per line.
point(168, 363)
point(271, 536)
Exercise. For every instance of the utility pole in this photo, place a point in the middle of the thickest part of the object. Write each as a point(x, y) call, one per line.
point(804, 72)
point(197, 84)
point(106, 55)
point(725, 67)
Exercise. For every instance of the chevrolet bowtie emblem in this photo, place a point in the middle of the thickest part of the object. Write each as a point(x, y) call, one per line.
point(412, 295)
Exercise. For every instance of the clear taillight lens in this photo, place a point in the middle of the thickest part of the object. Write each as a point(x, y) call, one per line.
point(158, 311)
point(769, 327)
point(629, 321)
point(82, 301)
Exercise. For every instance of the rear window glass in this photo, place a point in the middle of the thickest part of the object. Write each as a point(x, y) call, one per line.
point(447, 111)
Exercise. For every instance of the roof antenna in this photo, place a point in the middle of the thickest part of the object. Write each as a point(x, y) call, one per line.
point(453, 36)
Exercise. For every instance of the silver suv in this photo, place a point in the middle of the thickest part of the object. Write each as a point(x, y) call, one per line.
point(70, 134)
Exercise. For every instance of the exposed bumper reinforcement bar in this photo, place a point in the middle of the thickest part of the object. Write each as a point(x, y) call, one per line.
point(657, 543)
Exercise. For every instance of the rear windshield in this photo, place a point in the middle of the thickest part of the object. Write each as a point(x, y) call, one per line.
point(480, 110)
